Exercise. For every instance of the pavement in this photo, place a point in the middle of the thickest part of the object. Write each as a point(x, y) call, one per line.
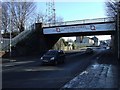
point(17, 59)
point(6, 63)
point(103, 73)
point(95, 76)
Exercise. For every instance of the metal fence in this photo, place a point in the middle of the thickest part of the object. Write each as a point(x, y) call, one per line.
point(80, 22)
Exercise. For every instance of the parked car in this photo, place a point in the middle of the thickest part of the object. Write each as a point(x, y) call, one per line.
point(89, 51)
point(53, 57)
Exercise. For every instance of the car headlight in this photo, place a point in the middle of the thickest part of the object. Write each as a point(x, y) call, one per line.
point(41, 58)
point(52, 58)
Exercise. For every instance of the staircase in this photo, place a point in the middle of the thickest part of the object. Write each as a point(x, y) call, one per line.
point(5, 43)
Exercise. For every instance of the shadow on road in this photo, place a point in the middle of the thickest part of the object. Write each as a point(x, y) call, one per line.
point(108, 58)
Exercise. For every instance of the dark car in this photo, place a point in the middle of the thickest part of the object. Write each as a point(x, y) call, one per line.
point(89, 51)
point(53, 57)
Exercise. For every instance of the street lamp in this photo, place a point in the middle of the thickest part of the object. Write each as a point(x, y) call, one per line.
point(10, 43)
point(10, 28)
point(1, 42)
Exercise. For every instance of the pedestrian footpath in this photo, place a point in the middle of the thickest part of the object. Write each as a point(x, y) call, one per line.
point(5, 63)
point(96, 76)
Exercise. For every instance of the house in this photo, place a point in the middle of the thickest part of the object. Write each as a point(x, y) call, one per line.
point(95, 40)
point(88, 41)
point(84, 41)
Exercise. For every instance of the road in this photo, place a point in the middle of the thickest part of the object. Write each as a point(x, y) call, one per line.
point(35, 75)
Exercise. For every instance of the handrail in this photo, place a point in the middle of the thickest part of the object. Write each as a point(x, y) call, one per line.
point(80, 21)
point(6, 42)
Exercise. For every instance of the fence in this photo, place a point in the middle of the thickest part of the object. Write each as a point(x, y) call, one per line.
point(80, 22)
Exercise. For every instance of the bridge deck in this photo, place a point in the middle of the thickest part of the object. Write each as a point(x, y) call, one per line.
point(81, 26)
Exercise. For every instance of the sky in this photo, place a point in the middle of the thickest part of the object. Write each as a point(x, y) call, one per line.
point(78, 10)
point(70, 11)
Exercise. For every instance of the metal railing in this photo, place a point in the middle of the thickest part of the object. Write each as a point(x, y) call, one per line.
point(80, 22)
point(5, 43)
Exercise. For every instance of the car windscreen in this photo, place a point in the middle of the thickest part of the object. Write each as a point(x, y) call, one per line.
point(51, 53)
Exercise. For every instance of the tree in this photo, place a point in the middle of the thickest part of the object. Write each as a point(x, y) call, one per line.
point(18, 13)
point(5, 19)
point(113, 9)
point(41, 17)
point(0, 17)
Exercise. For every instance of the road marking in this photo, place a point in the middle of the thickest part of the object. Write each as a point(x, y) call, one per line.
point(43, 69)
point(14, 66)
point(84, 72)
point(16, 63)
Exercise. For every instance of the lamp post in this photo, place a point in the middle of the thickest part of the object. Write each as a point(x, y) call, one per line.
point(10, 28)
point(10, 43)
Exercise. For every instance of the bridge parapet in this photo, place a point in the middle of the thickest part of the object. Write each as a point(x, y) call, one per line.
point(96, 20)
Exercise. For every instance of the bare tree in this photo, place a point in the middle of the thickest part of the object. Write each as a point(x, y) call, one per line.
point(0, 17)
point(41, 17)
point(21, 12)
point(5, 19)
point(18, 12)
point(113, 8)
